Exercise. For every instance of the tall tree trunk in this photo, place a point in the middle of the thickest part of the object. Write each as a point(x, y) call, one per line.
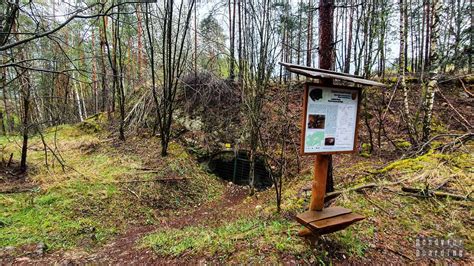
point(412, 37)
point(383, 29)
point(326, 21)
point(104, 81)
point(5, 113)
point(94, 75)
point(370, 41)
point(457, 41)
point(471, 39)
point(78, 99)
point(240, 40)
point(232, 39)
point(118, 62)
point(196, 39)
point(421, 62)
point(300, 29)
point(138, 73)
point(433, 70)
point(427, 38)
point(405, 20)
point(347, 61)
point(401, 70)
point(309, 43)
point(25, 95)
point(357, 40)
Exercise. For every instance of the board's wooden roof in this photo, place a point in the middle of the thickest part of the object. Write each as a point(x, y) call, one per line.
point(318, 73)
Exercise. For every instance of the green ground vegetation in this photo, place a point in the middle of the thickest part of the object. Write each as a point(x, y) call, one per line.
point(92, 199)
point(393, 219)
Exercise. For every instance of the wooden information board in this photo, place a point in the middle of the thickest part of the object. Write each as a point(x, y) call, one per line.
point(330, 119)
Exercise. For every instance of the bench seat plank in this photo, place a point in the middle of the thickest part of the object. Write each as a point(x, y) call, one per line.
point(312, 216)
point(334, 224)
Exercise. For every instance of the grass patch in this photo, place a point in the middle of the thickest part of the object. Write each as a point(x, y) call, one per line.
point(75, 214)
point(88, 202)
point(253, 234)
point(254, 239)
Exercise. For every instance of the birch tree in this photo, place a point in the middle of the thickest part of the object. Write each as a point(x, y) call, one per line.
point(401, 69)
point(431, 85)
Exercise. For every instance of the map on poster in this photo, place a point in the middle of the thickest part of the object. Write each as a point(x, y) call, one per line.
point(330, 122)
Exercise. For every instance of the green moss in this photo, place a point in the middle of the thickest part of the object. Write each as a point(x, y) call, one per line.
point(469, 79)
point(89, 126)
point(412, 164)
point(402, 144)
point(438, 126)
point(393, 79)
point(365, 151)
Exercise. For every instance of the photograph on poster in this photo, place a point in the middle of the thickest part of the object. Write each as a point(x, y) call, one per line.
point(330, 119)
point(316, 121)
point(329, 141)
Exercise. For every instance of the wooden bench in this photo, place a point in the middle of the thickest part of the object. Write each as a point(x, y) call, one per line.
point(328, 220)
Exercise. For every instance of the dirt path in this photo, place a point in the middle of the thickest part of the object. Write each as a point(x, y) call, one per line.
point(124, 250)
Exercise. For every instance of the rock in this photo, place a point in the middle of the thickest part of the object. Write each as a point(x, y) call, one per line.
point(66, 262)
point(190, 124)
point(23, 259)
point(258, 207)
point(6, 251)
point(40, 249)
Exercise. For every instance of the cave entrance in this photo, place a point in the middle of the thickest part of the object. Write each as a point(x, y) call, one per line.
point(235, 167)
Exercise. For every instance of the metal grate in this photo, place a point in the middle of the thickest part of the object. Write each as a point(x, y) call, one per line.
point(235, 167)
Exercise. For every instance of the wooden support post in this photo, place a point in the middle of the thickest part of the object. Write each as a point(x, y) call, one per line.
point(318, 189)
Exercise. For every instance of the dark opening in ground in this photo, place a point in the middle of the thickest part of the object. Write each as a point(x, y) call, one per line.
point(235, 167)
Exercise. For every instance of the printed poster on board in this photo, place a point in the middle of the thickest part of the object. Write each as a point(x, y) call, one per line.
point(331, 118)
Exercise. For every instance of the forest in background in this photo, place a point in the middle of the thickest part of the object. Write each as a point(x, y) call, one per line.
point(63, 62)
point(108, 106)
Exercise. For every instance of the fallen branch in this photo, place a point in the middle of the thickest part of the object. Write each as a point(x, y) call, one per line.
point(459, 138)
point(465, 89)
point(376, 205)
point(466, 122)
point(335, 194)
point(429, 193)
point(147, 180)
point(134, 193)
point(148, 172)
point(331, 195)
point(457, 142)
point(18, 190)
point(397, 252)
point(443, 184)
